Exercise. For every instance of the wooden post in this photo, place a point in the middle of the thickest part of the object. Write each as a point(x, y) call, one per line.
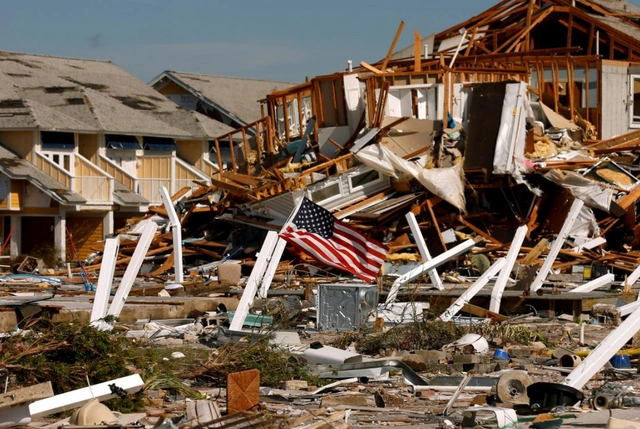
point(417, 51)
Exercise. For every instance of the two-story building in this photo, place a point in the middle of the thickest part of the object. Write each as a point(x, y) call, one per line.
point(86, 145)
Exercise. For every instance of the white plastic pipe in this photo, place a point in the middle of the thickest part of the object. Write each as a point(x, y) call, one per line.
point(448, 314)
point(557, 245)
point(627, 309)
point(423, 249)
point(105, 279)
point(176, 229)
point(77, 398)
point(604, 351)
point(594, 284)
point(501, 281)
point(259, 269)
point(133, 268)
point(461, 248)
point(274, 261)
point(633, 278)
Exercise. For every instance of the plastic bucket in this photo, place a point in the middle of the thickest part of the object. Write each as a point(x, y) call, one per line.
point(620, 361)
point(501, 355)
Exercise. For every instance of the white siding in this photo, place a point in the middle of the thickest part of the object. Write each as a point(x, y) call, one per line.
point(615, 117)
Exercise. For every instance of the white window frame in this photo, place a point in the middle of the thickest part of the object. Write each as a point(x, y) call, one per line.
point(61, 153)
point(326, 185)
point(372, 183)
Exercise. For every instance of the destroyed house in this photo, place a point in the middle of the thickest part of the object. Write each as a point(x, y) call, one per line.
point(577, 59)
point(85, 145)
point(231, 101)
point(471, 110)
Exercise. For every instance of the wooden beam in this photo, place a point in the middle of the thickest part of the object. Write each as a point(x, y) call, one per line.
point(629, 199)
point(370, 67)
point(417, 51)
point(393, 45)
point(514, 40)
point(530, 7)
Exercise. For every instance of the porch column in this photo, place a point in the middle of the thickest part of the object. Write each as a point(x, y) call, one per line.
point(15, 244)
point(60, 236)
point(107, 224)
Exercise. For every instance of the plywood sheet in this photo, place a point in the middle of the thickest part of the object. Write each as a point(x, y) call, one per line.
point(243, 390)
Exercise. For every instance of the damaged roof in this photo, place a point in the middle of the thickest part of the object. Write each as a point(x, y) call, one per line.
point(70, 94)
point(15, 167)
point(123, 196)
point(237, 96)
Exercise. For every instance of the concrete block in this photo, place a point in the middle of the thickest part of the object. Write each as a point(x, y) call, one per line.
point(295, 385)
point(415, 362)
point(466, 359)
point(434, 356)
point(229, 273)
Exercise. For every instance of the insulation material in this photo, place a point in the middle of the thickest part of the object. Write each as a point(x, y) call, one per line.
point(593, 194)
point(585, 225)
point(508, 157)
point(544, 148)
point(447, 183)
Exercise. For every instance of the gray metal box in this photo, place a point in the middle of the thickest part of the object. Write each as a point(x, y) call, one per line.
point(344, 307)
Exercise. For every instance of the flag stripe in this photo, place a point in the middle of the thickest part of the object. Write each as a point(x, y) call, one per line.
point(319, 249)
point(317, 233)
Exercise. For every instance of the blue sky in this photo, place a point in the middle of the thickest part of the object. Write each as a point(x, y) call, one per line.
point(278, 40)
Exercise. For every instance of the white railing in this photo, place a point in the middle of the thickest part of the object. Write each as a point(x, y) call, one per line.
point(94, 189)
point(191, 170)
point(150, 188)
point(211, 168)
point(92, 182)
point(118, 173)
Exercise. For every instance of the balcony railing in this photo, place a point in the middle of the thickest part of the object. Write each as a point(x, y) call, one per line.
point(93, 183)
point(118, 173)
point(54, 171)
point(150, 188)
point(94, 189)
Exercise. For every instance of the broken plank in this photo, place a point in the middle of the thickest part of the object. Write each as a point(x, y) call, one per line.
point(478, 231)
point(26, 394)
point(535, 253)
point(370, 67)
point(483, 312)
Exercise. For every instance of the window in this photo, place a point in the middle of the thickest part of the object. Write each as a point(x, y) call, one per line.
point(360, 180)
point(159, 144)
point(634, 101)
point(58, 148)
point(55, 140)
point(326, 193)
point(114, 141)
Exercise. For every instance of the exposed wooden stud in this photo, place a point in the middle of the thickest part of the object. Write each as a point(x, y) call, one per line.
point(417, 51)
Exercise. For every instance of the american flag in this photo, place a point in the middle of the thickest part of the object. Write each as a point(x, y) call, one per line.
point(317, 233)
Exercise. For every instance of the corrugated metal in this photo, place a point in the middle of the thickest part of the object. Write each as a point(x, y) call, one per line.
point(615, 116)
point(86, 232)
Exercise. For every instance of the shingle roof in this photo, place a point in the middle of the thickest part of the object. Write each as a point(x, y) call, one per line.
point(125, 197)
point(195, 124)
point(237, 95)
point(17, 168)
point(618, 6)
point(88, 96)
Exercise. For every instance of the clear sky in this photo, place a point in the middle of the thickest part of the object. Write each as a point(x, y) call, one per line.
point(282, 40)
